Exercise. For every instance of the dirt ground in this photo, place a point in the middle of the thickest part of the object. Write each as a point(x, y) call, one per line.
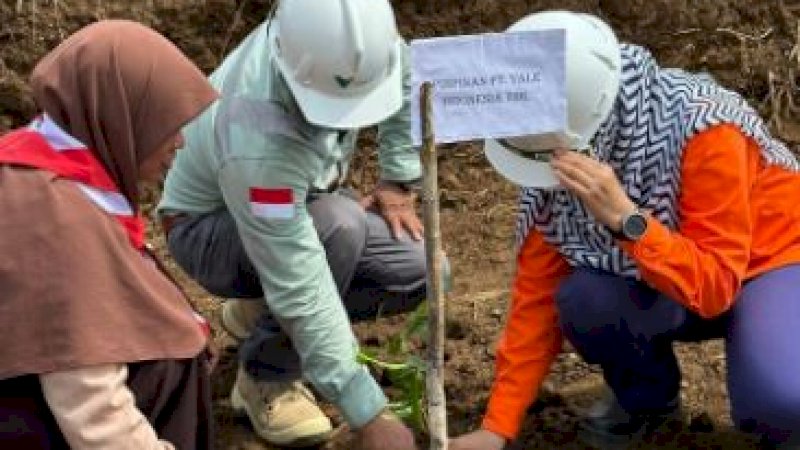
point(749, 46)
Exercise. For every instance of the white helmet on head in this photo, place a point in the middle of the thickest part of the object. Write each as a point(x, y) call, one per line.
point(593, 67)
point(342, 59)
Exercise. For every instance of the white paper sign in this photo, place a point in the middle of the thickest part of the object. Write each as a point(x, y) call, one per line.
point(492, 85)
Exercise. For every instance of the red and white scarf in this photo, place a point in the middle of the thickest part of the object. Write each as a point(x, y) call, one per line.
point(44, 145)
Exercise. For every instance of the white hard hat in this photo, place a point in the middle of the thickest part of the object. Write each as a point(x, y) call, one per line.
point(593, 66)
point(342, 59)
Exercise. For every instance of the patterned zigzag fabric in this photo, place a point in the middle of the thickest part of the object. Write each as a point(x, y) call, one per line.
point(657, 111)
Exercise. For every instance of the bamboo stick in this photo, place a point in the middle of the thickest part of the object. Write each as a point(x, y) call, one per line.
point(434, 381)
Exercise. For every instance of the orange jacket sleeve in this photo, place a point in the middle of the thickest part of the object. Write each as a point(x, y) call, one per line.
point(703, 264)
point(531, 339)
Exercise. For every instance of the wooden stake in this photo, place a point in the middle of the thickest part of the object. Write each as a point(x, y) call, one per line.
point(437, 412)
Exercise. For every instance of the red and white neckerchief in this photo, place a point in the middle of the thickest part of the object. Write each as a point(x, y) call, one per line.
point(44, 145)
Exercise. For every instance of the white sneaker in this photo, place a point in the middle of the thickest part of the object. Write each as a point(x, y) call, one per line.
point(282, 413)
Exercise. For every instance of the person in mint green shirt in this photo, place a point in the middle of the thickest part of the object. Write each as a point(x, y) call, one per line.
point(254, 209)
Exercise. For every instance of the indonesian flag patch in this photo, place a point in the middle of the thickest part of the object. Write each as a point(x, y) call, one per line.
point(272, 203)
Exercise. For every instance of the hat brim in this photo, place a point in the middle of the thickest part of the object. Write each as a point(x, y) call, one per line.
point(517, 169)
point(353, 112)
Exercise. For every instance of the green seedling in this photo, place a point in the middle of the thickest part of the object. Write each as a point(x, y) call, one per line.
point(416, 326)
point(407, 376)
point(409, 379)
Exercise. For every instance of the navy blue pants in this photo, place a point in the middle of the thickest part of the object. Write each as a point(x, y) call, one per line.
point(628, 329)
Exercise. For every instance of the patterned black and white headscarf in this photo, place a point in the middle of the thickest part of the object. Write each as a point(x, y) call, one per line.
point(656, 112)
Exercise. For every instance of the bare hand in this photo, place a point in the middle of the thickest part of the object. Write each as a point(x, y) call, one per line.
point(385, 433)
point(596, 185)
point(397, 207)
point(478, 440)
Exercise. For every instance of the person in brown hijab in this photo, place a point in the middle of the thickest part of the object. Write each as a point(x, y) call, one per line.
point(98, 347)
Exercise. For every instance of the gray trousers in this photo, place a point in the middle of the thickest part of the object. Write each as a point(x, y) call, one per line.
point(375, 273)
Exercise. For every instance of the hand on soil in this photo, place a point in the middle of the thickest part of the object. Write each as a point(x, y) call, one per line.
point(478, 440)
point(385, 434)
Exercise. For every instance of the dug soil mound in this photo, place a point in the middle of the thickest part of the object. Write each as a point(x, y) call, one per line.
point(749, 46)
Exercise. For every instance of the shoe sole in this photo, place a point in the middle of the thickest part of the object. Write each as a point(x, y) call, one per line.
point(313, 432)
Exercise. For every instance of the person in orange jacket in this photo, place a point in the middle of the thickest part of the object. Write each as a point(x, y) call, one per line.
point(678, 223)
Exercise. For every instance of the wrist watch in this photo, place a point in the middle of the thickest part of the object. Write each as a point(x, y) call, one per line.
point(632, 227)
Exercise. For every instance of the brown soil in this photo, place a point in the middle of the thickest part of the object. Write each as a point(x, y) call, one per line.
point(749, 46)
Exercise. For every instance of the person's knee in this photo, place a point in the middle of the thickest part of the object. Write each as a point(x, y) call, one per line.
point(588, 301)
point(415, 271)
point(340, 221)
point(405, 269)
point(352, 230)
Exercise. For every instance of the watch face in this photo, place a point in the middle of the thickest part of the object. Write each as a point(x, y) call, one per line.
point(634, 227)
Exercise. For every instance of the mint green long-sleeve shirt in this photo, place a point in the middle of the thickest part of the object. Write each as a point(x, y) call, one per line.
point(254, 139)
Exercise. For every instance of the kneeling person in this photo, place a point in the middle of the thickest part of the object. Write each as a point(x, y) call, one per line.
point(256, 211)
point(679, 225)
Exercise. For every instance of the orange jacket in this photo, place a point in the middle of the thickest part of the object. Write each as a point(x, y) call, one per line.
point(738, 219)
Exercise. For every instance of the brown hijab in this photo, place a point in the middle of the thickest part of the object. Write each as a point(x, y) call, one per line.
point(123, 90)
point(73, 291)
